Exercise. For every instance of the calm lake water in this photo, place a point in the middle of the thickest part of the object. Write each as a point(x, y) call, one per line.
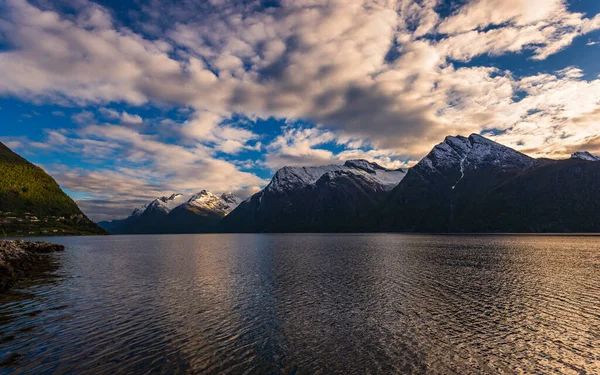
point(304, 304)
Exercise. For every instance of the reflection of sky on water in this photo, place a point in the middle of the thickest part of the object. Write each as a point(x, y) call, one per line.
point(313, 303)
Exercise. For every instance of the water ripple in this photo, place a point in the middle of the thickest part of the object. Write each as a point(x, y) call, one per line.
point(309, 304)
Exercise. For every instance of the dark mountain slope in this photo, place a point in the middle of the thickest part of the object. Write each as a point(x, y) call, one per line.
point(557, 196)
point(201, 213)
point(316, 199)
point(436, 193)
point(31, 201)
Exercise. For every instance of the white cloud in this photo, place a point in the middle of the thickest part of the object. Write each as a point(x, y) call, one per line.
point(147, 166)
point(124, 117)
point(129, 119)
point(209, 127)
point(322, 61)
point(304, 147)
point(368, 73)
point(83, 117)
point(481, 13)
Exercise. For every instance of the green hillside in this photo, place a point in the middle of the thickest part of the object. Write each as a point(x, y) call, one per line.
point(32, 203)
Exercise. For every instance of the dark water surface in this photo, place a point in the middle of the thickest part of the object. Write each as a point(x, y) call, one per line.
point(304, 304)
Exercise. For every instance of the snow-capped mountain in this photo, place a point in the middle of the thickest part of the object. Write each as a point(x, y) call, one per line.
point(460, 154)
point(177, 213)
point(162, 205)
point(458, 171)
point(220, 205)
point(204, 200)
point(584, 155)
point(465, 184)
point(324, 198)
point(476, 185)
point(290, 178)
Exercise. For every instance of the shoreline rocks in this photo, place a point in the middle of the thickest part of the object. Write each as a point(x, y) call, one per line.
point(18, 257)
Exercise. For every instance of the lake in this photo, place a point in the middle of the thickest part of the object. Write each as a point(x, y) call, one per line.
point(308, 303)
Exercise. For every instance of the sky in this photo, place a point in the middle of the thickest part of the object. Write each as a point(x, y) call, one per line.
point(123, 101)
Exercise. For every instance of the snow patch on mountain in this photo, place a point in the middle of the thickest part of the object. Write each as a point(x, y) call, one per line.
point(166, 204)
point(208, 201)
point(464, 153)
point(584, 155)
point(289, 178)
point(462, 170)
point(204, 200)
point(139, 211)
point(162, 204)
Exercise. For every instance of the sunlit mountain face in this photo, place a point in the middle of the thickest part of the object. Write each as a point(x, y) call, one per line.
point(125, 101)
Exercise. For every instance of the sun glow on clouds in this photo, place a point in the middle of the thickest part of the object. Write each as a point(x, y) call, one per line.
point(375, 79)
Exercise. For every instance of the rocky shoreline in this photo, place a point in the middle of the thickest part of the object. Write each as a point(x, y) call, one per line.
point(18, 257)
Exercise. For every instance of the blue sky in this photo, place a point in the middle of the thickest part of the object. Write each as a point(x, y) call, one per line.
point(123, 101)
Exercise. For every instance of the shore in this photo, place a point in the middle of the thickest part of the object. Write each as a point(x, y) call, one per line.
point(18, 257)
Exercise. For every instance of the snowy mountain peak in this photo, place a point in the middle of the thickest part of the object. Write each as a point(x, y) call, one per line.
point(365, 165)
point(139, 211)
point(209, 202)
point(458, 141)
point(584, 155)
point(173, 197)
point(288, 178)
point(230, 198)
point(203, 200)
point(166, 204)
point(462, 153)
point(162, 204)
point(200, 195)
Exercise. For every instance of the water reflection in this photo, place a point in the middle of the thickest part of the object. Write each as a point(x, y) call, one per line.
point(312, 304)
point(27, 307)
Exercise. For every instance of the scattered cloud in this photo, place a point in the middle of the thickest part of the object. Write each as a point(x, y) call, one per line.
point(83, 118)
point(304, 147)
point(379, 79)
point(129, 119)
point(324, 62)
point(140, 166)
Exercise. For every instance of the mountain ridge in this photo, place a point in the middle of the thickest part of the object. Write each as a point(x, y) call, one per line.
point(200, 213)
point(464, 184)
point(32, 203)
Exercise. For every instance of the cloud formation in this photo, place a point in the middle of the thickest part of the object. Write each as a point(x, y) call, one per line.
point(380, 79)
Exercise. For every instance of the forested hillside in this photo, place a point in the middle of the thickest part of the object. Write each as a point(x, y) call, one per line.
point(32, 203)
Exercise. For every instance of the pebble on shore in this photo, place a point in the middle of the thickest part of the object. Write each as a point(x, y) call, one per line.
point(18, 257)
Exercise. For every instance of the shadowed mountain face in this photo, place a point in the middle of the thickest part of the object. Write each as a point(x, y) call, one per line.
point(456, 174)
point(335, 198)
point(31, 202)
point(554, 196)
point(201, 213)
point(476, 185)
point(465, 184)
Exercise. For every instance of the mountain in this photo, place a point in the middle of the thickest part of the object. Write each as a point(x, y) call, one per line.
point(32, 203)
point(476, 185)
point(561, 196)
point(455, 174)
point(465, 184)
point(201, 213)
point(333, 198)
point(584, 155)
point(150, 218)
